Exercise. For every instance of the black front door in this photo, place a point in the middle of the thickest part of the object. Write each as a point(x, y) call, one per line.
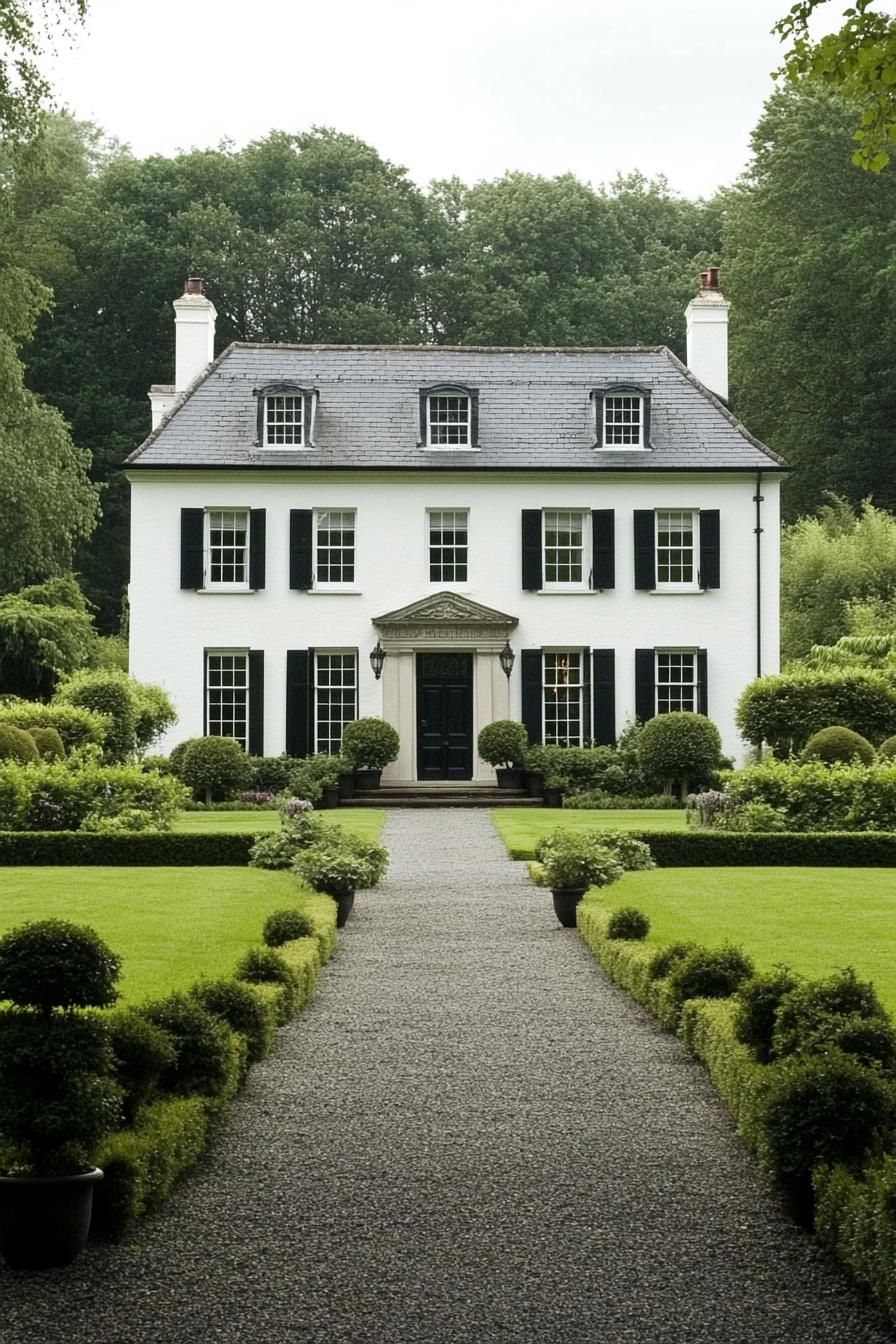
point(445, 715)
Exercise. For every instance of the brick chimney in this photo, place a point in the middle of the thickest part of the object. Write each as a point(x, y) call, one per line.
point(707, 333)
point(194, 334)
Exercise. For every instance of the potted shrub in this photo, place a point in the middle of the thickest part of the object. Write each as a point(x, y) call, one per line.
point(553, 789)
point(503, 744)
point(369, 745)
point(57, 1094)
point(340, 865)
point(533, 771)
point(572, 862)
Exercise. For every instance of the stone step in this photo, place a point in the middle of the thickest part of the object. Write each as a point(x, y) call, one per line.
point(386, 798)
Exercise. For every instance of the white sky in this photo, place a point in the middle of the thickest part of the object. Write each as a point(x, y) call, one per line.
point(471, 89)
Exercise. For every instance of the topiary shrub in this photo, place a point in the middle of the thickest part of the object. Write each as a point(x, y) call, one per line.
point(756, 1009)
point(105, 691)
point(142, 1052)
point(177, 754)
point(785, 710)
point(825, 1108)
point(838, 744)
point(57, 1095)
point(234, 1003)
point(285, 925)
point(214, 768)
point(77, 727)
point(202, 1054)
point(679, 748)
point(309, 777)
point(810, 1008)
point(337, 868)
point(264, 966)
point(665, 960)
point(887, 749)
point(49, 744)
point(369, 744)
point(270, 774)
point(17, 745)
point(709, 973)
point(628, 923)
point(504, 744)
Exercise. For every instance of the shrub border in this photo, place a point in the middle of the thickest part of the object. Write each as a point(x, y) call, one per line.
point(131, 849)
point(776, 849)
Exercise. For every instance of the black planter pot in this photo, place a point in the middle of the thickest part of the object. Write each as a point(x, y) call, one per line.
point(565, 901)
point(535, 783)
point(44, 1220)
point(553, 797)
point(509, 778)
point(331, 795)
point(367, 779)
point(347, 785)
point(344, 902)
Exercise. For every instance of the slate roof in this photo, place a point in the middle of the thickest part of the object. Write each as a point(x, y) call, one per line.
point(535, 411)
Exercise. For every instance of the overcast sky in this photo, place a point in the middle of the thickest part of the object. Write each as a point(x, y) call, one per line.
point(471, 88)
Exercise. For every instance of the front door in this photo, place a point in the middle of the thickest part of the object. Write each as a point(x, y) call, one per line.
point(445, 715)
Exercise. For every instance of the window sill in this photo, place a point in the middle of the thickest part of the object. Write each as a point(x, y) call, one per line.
point(448, 448)
point(621, 448)
point(231, 592)
point(677, 592)
point(567, 592)
point(332, 592)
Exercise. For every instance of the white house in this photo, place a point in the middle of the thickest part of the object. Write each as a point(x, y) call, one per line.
point(596, 515)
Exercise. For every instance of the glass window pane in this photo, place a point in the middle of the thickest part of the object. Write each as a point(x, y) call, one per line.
point(227, 700)
point(448, 541)
point(563, 690)
point(335, 698)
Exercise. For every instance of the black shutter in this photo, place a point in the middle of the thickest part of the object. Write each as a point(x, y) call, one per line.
point(604, 685)
point(702, 686)
point(424, 427)
point(586, 696)
point(533, 693)
point(299, 693)
point(257, 521)
point(255, 740)
point(307, 413)
point(532, 573)
point(301, 540)
point(645, 549)
point(603, 537)
point(192, 537)
point(645, 684)
point(709, 548)
point(474, 419)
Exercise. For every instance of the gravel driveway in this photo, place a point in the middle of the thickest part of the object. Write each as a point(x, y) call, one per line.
point(469, 1135)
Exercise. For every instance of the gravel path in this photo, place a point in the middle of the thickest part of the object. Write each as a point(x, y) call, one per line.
point(470, 1135)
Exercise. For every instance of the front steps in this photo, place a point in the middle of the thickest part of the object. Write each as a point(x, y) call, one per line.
point(465, 794)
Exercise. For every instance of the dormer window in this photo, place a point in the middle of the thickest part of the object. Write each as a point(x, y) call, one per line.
point(449, 417)
point(622, 418)
point(286, 414)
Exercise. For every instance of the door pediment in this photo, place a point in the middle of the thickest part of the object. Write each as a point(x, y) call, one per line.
point(446, 608)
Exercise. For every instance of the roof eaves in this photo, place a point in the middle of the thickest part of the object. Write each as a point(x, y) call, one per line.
point(720, 406)
point(182, 398)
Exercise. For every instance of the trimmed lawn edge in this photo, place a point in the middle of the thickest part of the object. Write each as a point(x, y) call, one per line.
point(143, 1162)
point(855, 1216)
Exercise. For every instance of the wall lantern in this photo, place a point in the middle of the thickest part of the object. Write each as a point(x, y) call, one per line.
point(508, 658)
point(377, 658)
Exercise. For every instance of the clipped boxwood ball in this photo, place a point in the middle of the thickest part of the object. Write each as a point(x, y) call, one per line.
point(53, 964)
point(887, 749)
point(285, 925)
point(628, 923)
point(17, 745)
point(838, 744)
point(50, 746)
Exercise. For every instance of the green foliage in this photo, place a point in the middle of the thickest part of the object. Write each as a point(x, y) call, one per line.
point(589, 770)
point(309, 777)
point(812, 1109)
point(50, 746)
point(280, 849)
point(202, 1057)
point(142, 1052)
point(597, 801)
point(148, 850)
point(265, 966)
point(77, 727)
point(786, 710)
point(214, 767)
point(106, 692)
point(813, 1005)
point(141, 1165)
point(572, 859)
point(887, 749)
point(629, 923)
point(243, 1010)
point(839, 744)
point(284, 925)
point(25, 29)
point(757, 1002)
point(709, 973)
point(369, 744)
point(46, 632)
point(503, 743)
point(632, 853)
point(17, 745)
point(340, 864)
point(61, 795)
point(679, 748)
point(270, 774)
point(51, 963)
point(813, 796)
point(665, 960)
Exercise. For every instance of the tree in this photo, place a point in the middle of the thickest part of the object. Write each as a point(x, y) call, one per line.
point(858, 61)
point(806, 244)
point(26, 26)
point(830, 564)
point(46, 633)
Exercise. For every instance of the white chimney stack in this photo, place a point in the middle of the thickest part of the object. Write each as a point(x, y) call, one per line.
point(707, 327)
point(194, 334)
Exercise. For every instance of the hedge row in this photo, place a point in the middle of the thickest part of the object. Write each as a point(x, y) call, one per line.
point(709, 849)
point(854, 1215)
point(140, 849)
point(143, 1162)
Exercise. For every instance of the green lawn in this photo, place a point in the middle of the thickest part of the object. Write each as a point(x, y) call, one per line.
point(364, 821)
point(169, 925)
point(521, 827)
point(814, 919)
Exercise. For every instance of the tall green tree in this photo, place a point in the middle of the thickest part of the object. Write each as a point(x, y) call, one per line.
point(27, 29)
point(807, 244)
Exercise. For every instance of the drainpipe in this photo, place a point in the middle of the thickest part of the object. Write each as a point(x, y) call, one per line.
point(757, 500)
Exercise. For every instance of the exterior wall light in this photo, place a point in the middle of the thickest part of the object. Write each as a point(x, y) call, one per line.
point(378, 657)
point(507, 658)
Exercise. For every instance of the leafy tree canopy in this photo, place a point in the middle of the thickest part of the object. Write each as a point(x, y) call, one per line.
point(46, 633)
point(26, 28)
point(859, 61)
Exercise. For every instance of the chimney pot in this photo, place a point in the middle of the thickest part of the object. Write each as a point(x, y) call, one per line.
point(709, 279)
point(194, 284)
